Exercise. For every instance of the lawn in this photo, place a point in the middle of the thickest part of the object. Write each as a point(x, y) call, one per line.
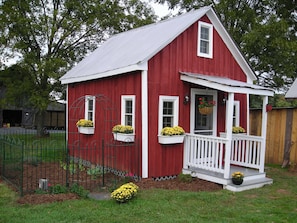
point(272, 203)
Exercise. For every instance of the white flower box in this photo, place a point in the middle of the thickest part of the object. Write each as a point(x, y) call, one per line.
point(123, 137)
point(171, 139)
point(86, 130)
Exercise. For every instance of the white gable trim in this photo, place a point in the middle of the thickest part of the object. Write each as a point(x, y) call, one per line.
point(142, 66)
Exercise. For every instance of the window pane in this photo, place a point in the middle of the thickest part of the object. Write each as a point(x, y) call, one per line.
point(204, 47)
point(167, 108)
point(90, 106)
point(204, 33)
point(90, 116)
point(128, 106)
point(128, 120)
point(167, 122)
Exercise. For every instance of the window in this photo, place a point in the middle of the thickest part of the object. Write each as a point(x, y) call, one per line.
point(90, 108)
point(236, 116)
point(168, 111)
point(205, 39)
point(128, 110)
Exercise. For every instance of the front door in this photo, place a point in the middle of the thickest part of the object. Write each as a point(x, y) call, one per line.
point(204, 124)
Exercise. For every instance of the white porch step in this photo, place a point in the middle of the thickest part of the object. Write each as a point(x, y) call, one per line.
point(252, 178)
point(248, 184)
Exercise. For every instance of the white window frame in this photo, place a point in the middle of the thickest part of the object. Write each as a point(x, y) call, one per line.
point(175, 100)
point(236, 115)
point(125, 98)
point(210, 40)
point(88, 98)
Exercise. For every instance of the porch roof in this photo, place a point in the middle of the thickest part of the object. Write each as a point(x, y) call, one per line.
point(225, 84)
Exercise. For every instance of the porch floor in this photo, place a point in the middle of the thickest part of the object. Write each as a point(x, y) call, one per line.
point(252, 178)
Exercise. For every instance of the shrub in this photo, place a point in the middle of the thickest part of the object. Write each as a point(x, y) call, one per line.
point(185, 178)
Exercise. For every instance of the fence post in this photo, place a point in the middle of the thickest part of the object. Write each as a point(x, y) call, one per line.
point(22, 170)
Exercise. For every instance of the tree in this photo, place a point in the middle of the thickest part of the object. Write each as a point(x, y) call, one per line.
point(266, 32)
point(50, 36)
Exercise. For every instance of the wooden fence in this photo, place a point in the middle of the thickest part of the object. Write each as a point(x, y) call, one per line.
point(281, 138)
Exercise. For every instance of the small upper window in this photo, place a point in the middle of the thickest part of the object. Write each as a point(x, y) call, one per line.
point(168, 111)
point(90, 108)
point(205, 39)
point(128, 110)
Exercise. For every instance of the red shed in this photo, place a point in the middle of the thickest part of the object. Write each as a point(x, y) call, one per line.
point(161, 75)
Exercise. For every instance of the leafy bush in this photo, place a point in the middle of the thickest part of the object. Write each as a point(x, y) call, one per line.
point(185, 178)
point(79, 190)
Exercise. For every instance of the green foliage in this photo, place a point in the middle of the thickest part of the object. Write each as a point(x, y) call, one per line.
point(79, 190)
point(49, 37)
point(95, 172)
point(58, 189)
point(187, 178)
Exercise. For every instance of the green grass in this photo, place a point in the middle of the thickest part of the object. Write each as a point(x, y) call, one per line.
point(272, 203)
point(35, 149)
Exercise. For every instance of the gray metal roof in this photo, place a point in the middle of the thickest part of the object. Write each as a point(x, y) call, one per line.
point(131, 50)
point(225, 84)
point(292, 92)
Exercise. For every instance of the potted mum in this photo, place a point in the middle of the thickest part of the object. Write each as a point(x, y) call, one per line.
point(205, 107)
point(237, 178)
point(171, 135)
point(123, 133)
point(85, 126)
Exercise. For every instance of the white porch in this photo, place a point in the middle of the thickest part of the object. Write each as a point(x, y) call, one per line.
point(210, 158)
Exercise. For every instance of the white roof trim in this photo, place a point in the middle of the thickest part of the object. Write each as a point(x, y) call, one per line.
point(225, 84)
point(110, 73)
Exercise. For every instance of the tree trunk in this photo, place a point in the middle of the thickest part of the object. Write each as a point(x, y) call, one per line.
point(40, 121)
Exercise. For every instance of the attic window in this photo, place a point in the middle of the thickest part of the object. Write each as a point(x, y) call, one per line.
point(205, 39)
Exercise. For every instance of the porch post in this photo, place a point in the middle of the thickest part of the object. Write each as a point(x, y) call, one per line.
point(229, 119)
point(263, 134)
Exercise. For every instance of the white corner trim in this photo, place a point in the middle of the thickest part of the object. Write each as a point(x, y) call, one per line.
point(144, 122)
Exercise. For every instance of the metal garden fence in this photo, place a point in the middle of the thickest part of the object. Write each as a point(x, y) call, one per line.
point(30, 164)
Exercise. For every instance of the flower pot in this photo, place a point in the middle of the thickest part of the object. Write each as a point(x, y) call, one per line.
point(237, 181)
point(171, 139)
point(206, 110)
point(123, 137)
point(86, 130)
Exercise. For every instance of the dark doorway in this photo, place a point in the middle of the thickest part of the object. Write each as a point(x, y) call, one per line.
point(13, 117)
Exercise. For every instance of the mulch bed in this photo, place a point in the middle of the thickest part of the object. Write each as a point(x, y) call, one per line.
point(56, 175)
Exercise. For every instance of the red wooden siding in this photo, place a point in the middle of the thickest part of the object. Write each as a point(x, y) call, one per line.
point(164, 79)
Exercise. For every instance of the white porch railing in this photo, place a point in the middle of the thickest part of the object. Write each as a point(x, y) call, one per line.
point(208, 152)
point(204, 152)
point(247, 151)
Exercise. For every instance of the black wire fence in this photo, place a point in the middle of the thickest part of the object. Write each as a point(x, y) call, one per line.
point(30, 164)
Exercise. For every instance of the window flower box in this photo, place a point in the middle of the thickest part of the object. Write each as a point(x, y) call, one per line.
point(123, 137)
point(85, 126)
point(171, 139)
point(123, 133)
point(171, 135)
point(86, 130)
